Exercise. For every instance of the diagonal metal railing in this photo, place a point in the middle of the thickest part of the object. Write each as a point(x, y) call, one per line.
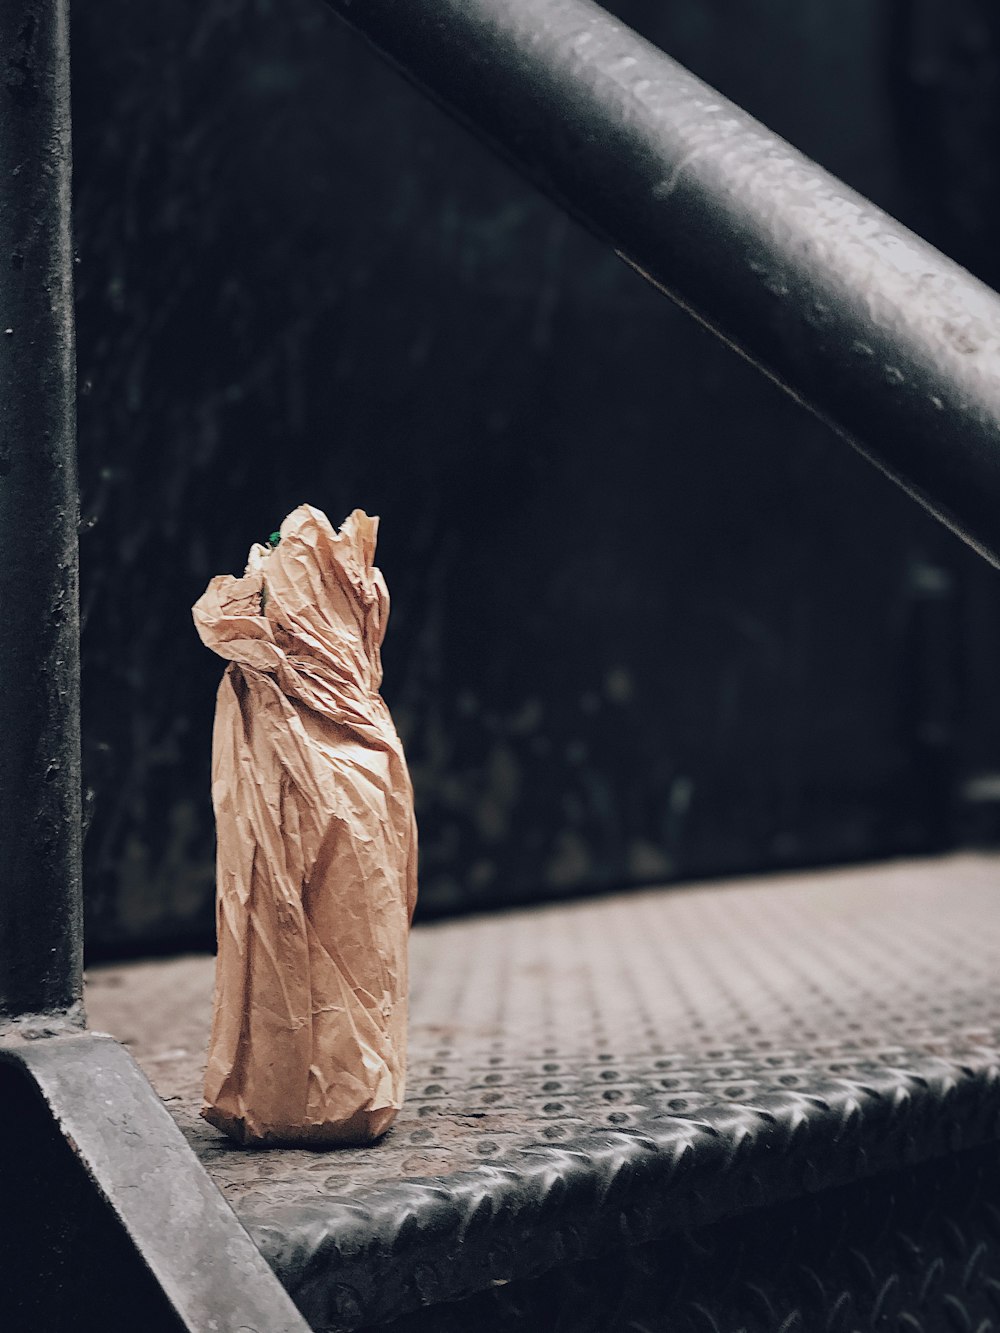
point(892, 344)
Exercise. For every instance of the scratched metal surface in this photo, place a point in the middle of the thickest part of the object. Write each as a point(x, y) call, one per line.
point(589, 1077)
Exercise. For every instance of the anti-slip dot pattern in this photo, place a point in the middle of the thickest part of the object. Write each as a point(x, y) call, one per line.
point(592, 1075)
point(915, 1251)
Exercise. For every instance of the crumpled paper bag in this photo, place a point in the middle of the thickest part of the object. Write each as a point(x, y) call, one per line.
point(317, 848)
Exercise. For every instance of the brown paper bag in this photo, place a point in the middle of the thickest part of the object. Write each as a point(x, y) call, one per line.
point(317, 851)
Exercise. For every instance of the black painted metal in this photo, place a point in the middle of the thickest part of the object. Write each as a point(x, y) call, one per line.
point(883, 337)
point(432, 1242)
point(205, 1271)
point(40, 890)
point(917, 1251)
point(350, 1261)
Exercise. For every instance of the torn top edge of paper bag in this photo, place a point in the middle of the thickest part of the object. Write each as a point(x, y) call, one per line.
point(317, 849)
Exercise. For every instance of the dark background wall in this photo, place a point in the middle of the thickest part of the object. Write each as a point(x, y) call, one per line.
point(650, 620)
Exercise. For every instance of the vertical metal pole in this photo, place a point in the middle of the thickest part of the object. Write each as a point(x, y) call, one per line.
point(40, 880)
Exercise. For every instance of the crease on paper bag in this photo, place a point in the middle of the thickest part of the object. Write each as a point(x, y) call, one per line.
point(317, 854)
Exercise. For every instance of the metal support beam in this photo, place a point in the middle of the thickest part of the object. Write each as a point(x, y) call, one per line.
point(40, 891)
point(109, 1220)
point(876, 332)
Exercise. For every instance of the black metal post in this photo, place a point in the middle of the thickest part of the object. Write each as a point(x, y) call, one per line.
point(896, 347)
point(40, 891)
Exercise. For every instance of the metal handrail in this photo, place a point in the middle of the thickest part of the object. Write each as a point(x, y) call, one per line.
point(892, 344)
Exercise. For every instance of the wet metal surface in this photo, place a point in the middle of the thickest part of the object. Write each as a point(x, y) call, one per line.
point(591, 1076)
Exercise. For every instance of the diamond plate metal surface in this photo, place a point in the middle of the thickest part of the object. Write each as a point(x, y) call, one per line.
point(914, 1252)
point(587, 1078)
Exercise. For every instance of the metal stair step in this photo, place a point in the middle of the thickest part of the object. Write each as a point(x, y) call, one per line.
point(599, 1075)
